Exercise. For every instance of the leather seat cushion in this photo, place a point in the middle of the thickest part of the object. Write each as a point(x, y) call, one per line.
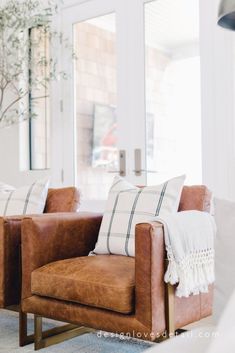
point(103, 281)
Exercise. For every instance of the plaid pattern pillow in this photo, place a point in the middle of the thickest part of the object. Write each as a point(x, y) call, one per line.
point(128, 205)
point(25, 200)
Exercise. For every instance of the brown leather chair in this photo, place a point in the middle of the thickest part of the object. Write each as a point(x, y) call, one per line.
point(58, 200)
point(105, 292)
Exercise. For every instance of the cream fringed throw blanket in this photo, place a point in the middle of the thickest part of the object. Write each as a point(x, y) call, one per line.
point(189, 240)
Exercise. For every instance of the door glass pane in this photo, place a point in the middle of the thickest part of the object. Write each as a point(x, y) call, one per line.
point(95, 106)
point(173, 105)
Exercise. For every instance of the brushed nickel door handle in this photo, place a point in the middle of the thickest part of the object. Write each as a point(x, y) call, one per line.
point(138, 169)
point(122, 164)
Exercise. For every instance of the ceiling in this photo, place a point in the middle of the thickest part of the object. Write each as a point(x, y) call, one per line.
point(169, 24)
point(172, 23)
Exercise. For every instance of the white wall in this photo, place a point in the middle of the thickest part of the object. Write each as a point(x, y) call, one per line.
point(10, 159)
point(217, 58)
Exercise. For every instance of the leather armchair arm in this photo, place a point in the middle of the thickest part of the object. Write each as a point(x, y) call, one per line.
point(10, 231)
point(150, 264)
point(150, 286)
point(55, 237)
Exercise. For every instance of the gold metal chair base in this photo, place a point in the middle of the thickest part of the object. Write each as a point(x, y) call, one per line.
point(24, 338)
point(43, 339)
point(170, 309)
point(165, 336)
point(55, 335)
point(62, 333)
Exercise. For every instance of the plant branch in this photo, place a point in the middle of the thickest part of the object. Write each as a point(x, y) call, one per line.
point(11, 105)
point(27, 39)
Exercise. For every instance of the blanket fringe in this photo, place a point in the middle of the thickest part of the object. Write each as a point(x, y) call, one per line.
point(193, 273)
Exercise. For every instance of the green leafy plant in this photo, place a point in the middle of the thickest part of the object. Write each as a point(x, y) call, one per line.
point(25, 69)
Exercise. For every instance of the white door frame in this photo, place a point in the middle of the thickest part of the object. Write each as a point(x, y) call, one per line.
point(130, 80)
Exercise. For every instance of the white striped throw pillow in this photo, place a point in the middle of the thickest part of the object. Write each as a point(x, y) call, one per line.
point(25, 200)
point(129, 205)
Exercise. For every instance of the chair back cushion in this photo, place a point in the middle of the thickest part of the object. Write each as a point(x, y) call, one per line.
point(196, 197)
point(62, 200)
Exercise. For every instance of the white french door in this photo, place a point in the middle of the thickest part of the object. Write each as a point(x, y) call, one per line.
point(105, 97)
point(129, 94)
